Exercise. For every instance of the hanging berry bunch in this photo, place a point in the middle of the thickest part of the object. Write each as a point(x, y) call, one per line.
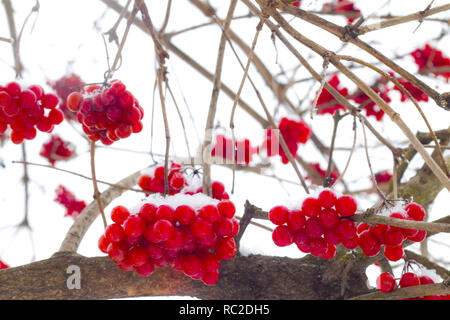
point(63, 87)
point(433, 60)
point(56, 149)
point(107, 113)
point(326, 103)
point(318, 226)
point(26, 110)
point(191, 233)
point(293, 132)
point(69, 201)
point(372, 238)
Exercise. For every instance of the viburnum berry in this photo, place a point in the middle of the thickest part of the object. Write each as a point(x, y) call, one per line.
point(386, 282)
point(311, 207)
point(346, 206)
point(114, 233)
point(226, 208)
point(134, 226)
point(296, 220)
point(282, 236)
point(415, 211)
point(3, 265)
point(279, 215)
point(409, 279)
point(393, 253)
point(327, 199)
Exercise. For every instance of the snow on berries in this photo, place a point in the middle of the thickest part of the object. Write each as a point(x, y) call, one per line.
point(107, 113)
point(294, 132)
point(56, 149)
point(373, 238)
point(318, 225)
point(190, 233)
point(69, 201)
point(26, 109)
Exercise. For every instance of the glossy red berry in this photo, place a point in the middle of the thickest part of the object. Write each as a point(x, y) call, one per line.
point(386, 282)
point(134, 226)
point(393, 253)
point(328, 218)
point(346, 206)
point(163, 229)
point(311, 207)
point(114, 233)
point(137, 256)
point(279, 215)
point(409, 279)
point(415, 211)
point(327, 199)
point(119, 214)
point(282, 236)
point(184, 214)
point(296, 220)
point(226, 208)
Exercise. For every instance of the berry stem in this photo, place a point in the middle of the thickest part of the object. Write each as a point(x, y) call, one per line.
point(94, 182)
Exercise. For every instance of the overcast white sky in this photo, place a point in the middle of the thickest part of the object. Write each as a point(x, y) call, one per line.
point(66, 36)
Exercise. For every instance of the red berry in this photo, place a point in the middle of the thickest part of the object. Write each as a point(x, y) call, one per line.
point(224, 227)
point(282, 236)
point(279, 215)
point(201, 228)
point(328, 218)
point(49, 101)
point(148, 212)
point(114, 232)
point(165, 212)
point(415, 211)
point(117, 251)
point(394, 253)
point(302, 241)
point(103, 244)
point(409, 279)
point(296, 220)
point(210, 262)
point(327, 198)
point(119, 214)
point(313, 228)
point(146, 269)
point(217, 188)
point(226, 208)
point(163, 229)
point(385, 282)
point(393, 237)
point(226, 248)
point(209, 213)
point(311, 207)
point(137, 256)
point(134, 226)
point(362, 227)
point(419, 236)
point(346, 206)
point(346, 229)
point(184, 214)
point(210, 278)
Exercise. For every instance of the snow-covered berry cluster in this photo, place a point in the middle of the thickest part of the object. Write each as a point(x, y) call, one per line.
point(318, 226)
point(107, 113)
point(56, 149)
point(372, 238)
point(191, 233)
point(69, 201)
point(26, 110)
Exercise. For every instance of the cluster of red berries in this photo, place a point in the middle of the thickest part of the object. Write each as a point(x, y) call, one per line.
point(178, 183)
point(320, 224)
point(243, 151)
point(3, 265)
point(326, 103)
point(386, 283)
point(155, 183)
point(187, 239)
point(25, 110)
point(432, 58)
point(342, 6)
point(417, 94)
point(383, 177)
point(323, 173)
point(107, 113)
point(57, 149)
point(372, 238)
point(69, 201)
point(63, 87)
point(293, 132)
